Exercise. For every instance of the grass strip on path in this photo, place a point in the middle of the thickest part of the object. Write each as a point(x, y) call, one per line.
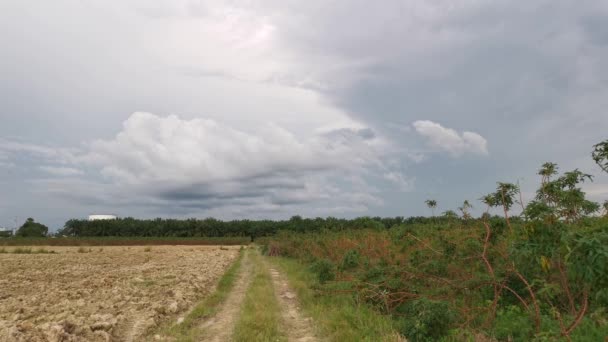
point(337, 316)
point(260, 315)
point(187, 330)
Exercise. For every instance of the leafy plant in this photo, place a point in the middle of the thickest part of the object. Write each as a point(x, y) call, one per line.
point(32, 228)
point(426, 320)
point(600, 154)
point(432, 204)
point(350, 260)
point(324, 269)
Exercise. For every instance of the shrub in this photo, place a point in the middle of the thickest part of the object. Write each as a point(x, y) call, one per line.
point(512, 324)
point(426, 320)
point(350, 260)
point(324, 269)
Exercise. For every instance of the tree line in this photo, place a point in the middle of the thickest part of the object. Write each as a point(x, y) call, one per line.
point(211, 227)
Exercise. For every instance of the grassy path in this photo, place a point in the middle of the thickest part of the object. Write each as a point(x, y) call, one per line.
point(336, 317)
point(294, 323)
point(263, 299)
point(260, 314)
point(219, 327)
point(232, 285)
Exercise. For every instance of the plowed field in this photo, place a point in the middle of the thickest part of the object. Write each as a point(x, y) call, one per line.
point(103, 294)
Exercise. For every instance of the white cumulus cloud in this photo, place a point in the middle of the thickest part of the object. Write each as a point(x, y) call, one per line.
point(153, 148)
point(205, 164)
point(451, 141)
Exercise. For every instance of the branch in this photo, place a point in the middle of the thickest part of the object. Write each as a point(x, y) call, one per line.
point(425, 244)
point(581, 313)
point(533, 297)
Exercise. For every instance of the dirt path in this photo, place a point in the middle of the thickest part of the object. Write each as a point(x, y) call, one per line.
point(220, 327)
point(296, 325)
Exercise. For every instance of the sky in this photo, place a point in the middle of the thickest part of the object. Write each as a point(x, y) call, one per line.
point(269, 109)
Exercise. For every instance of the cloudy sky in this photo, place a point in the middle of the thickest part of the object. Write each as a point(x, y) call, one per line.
point(271, 108)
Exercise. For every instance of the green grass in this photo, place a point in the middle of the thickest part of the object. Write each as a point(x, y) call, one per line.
point(186, 331)
point(337, 316)
point(260, 315)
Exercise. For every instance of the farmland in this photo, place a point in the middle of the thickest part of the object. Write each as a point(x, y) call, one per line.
point(103, 293)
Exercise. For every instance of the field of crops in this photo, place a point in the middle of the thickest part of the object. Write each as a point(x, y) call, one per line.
point(102, 293)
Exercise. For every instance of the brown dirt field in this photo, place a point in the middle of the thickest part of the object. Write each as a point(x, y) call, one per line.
point(109, 294)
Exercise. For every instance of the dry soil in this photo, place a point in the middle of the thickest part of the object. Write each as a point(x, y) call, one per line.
point(103, 294)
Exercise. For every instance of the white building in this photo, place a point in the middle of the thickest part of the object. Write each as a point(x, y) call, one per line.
point(97, 217)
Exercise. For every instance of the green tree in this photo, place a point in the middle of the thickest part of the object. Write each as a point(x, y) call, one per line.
point(432, 204)
point(561, 198)
point(32, 228)
point(546, 171)
point(600, 154)
point(450, 214)
point(466, 209)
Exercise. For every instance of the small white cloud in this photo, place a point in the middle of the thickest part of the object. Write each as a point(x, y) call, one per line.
point(449, 140)
point(61, 171)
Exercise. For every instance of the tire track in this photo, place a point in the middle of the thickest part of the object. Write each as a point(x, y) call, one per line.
point(220, 327)
point(297, 327)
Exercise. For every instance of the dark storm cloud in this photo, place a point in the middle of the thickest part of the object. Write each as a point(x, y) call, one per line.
point(496, 88)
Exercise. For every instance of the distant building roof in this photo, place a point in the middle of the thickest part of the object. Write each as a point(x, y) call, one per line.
point(96, 217)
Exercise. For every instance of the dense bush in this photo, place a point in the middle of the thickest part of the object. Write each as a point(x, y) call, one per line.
point(324, 269)
point(540, 276)
point(426, 320)
point(350, 260)
point(32, 228)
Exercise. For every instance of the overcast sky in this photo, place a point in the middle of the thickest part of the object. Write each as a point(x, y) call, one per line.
point(268, 109)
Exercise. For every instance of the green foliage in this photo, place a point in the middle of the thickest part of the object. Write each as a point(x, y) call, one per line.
point(210, 227)
point(450, 214)
point(465, 209)
point(561, 198)
point(259, 316)
point(504, 196)
point(324, 269)
point(32, 229)
point(350, 260)
point(588, 259)
point(338, 316)
point(432, 204)
point(541, 276)
point(513, 324)
point(600, 155)
point(426, 320)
